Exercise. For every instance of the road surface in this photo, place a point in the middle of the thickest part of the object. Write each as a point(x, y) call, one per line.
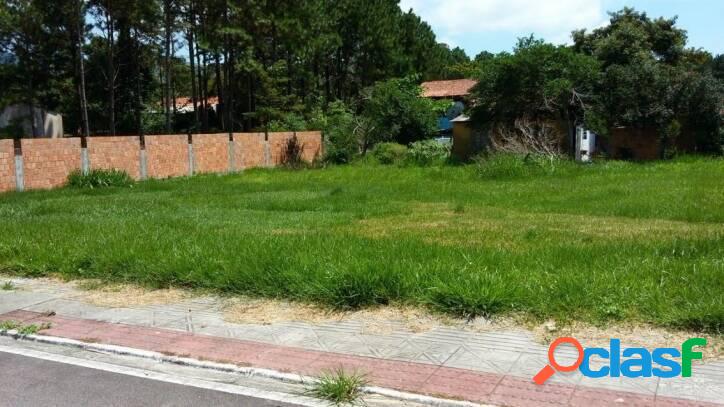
point(26, 381)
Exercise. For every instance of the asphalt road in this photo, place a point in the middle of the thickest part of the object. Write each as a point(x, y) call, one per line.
point(26, 381)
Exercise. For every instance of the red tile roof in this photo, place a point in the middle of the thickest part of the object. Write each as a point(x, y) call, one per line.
point(188, 102)
point(446, 89)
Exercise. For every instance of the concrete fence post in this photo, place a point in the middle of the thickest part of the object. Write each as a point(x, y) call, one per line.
point(84, 157)
point(191, 154)
point(143, 170)
point(19, 170)
point(232, 163)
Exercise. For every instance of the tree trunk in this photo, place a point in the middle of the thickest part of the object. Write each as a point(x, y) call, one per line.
point(167, 64)
point(139, 87)
point(219, 91)
point(110, 27)
point(173, 83)
point(230, 92)
point(190, 37)
point(81, 72)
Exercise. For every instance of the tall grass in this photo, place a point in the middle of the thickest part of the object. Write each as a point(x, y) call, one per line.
point(605, 242)
point(99, 179)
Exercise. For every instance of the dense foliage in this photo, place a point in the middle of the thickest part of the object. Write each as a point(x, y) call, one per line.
point(634, 72)
point(264, 59)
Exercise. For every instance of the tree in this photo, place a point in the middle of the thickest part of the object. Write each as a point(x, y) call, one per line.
point(537, 82)
point(650, 79)
point(396, 112)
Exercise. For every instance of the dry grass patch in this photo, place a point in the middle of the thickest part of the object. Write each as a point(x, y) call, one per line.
point(376, 320)
point(632, 335)
point(509, 229)
point(126, 296)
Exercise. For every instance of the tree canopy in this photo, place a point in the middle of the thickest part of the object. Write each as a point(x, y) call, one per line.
point(634, 72)
point(262, 59)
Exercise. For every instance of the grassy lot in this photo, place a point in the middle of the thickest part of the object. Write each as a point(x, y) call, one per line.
point(612, 241)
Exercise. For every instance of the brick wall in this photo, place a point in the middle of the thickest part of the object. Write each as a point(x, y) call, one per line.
point(249, 150)
point(7, 166)
point(167, 156)
point(278, 145)
point(211, 153)
point(48, 162)
point(119, 153)
point(312, 143)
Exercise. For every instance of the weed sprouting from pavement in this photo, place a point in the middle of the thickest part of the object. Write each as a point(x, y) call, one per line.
point(32, 329)
point(9, 325)
point(7, 286)
point(21, 329)
point(338, 387)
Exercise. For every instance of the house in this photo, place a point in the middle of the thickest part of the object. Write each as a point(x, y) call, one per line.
point(186, 104)
point(20, 120)
point(456, 90)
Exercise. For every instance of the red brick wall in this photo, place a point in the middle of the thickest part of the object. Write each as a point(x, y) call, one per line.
point(312, 142)
point(167, 156)
point(7, 166)
point(211, 153)
point(248, 150)
point(278, 144)
point(120, 153)
point(47, 162)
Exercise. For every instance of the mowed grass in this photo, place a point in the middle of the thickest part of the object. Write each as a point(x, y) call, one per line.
point(608, 242)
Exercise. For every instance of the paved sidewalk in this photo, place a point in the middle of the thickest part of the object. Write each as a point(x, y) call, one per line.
point(493, 367)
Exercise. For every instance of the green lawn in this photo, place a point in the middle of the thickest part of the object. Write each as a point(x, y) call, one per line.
point(612, 241)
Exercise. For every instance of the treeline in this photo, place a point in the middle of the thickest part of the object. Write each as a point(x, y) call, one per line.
point(635, 72)
point(118, 66)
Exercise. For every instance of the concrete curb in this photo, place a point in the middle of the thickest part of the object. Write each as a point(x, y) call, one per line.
point(229, 368)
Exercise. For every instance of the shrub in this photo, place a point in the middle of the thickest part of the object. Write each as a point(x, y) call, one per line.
point(390, 153)
point(292, 154)
point(288, 122)
point(99, 179)
point(428, 152)
point(340, 141)
point(397, 112)
point(508, 165)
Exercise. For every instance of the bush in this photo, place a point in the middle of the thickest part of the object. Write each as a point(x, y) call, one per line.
point(292, 154)
point(390, 153)
point(428, 152)
point(396, 112)
point(99, 179)
point(508, 165)
point(288, 122)
point(340, 141)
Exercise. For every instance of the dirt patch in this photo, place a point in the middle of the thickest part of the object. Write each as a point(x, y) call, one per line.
point(125, 296)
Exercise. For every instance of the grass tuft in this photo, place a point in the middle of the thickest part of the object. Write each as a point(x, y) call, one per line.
point(9, 325)
point(99, 179)
point(7, 286)
point(338, 387)
point(22, 329)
